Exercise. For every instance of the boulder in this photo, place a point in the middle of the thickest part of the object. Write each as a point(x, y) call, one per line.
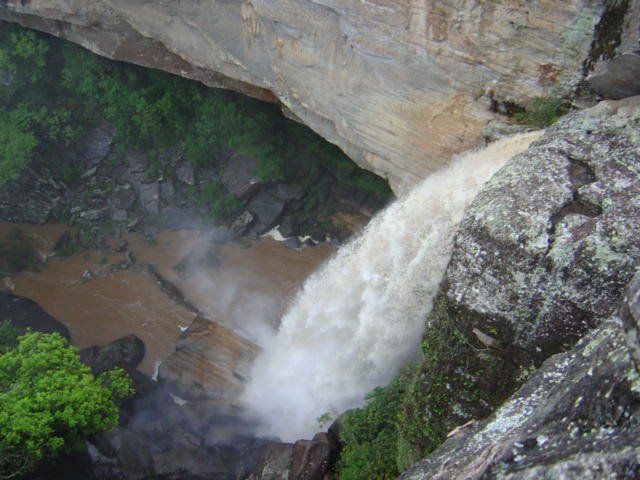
point(286, 192)
point(304, 460)
point(292, 242)
point(176, 218)
point(210, 363)
point(575, 418)
point(97, 143)
point(150, 197)
point(289, 226)
point(136, 161)
point(240, 224)
point(240, 177)
point(24, 313)
point(267, 209)
point(124, 197)
point(619, 78)
point(167, 192)
point(313, 460)
point(126, 352)
point(186, 174)
point(545, 249)
point(215, 463)
point(273, 462)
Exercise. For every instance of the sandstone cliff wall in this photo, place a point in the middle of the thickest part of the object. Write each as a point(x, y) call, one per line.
point(399, 85)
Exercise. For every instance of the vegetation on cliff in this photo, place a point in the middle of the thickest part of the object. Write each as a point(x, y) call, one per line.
point(49, 401)
point(456, 379)
point(52, 91)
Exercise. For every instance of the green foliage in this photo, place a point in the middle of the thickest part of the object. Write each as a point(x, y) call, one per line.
point(17, 143)
point(221, 205)
point(16, 252)
point(543, 112)
point(369, 435)
point(456, 379)
point(49, 401)
point(150, 110)
point(8, 336)
point(22, 60)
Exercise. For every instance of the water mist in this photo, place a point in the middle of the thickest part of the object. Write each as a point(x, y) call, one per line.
point(361, 316)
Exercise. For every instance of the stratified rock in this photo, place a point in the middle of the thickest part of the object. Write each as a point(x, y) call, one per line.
point(210, 362)
point(24, 313)
point(550, 242)
point(399, 86)
point(267, 208)
point(575, 418)
point(97, 143)
point(240, 177)
point(126, 352)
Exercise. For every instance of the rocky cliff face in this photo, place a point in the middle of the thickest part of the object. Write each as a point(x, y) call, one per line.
point(399, 85)
point(577, 417)
point(547, 246)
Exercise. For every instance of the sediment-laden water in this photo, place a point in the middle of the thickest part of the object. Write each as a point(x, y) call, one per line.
point(247, 289)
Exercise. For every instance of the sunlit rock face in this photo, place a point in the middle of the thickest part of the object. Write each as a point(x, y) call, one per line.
point(399, 85)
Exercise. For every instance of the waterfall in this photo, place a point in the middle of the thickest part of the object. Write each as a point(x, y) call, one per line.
point(360, 317)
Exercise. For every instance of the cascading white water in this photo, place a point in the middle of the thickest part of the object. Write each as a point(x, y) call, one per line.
point(361, 316)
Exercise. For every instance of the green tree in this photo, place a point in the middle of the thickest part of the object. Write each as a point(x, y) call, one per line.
point(49, 401)
point(17, 143)
point(23, 56)
point(369, 435)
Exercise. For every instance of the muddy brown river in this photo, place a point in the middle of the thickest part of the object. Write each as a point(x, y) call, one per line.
point(247, 291)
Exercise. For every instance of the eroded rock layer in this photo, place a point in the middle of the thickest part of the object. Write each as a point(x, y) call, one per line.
point(398, 85)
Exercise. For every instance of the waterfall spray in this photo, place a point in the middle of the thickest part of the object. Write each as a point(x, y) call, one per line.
point(361, 316)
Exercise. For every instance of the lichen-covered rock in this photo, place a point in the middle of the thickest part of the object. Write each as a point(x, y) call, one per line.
point(399, 86)
point(576, 418)
point(548, 245)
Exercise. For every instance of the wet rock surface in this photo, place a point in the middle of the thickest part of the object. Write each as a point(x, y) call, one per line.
point(546, 248)
point(575, 418)
point(24, 313)
point(116, 192)
point(210, 362)
point(126, 352)
point(188, 425)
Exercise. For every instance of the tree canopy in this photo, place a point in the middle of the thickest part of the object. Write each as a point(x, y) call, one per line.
point(50, 401)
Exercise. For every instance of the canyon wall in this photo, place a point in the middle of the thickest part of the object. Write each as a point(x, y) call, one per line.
point(399, 85)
